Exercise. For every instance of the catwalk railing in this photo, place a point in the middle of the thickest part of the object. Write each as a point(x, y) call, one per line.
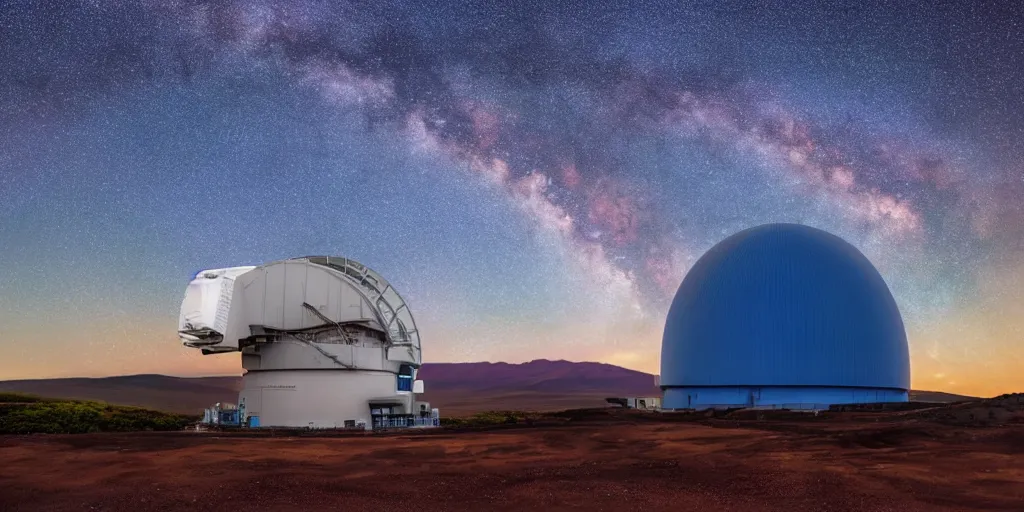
point(405, 422)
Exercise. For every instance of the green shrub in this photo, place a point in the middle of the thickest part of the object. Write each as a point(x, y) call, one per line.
point(488, 418)
point(7, 397)
point(76, 417)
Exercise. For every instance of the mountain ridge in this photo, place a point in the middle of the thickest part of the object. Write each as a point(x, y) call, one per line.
point(456, 388)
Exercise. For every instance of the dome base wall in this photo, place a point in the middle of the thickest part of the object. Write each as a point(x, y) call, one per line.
point(776, 397)
point(320, 398)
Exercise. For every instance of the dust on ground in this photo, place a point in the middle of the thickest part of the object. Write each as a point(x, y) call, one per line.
point(943, 459)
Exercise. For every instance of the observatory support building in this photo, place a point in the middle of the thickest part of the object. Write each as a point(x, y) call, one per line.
point(325, 342)
point(783, 316)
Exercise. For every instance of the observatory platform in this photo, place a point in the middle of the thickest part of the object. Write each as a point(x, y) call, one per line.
point(783, 316)
point(325, 342)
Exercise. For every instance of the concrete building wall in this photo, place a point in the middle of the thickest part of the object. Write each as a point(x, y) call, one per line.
point(325, 398)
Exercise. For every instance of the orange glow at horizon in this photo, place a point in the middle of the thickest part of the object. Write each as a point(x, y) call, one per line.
point(974, 352)
point(990, 373)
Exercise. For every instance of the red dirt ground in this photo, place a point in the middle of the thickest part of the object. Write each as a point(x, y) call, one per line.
point(622, 462)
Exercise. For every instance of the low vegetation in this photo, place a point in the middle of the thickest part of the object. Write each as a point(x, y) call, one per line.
point(489, 418)
point(28, 414)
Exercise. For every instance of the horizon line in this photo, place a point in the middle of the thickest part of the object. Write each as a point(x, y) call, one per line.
point(191, 376)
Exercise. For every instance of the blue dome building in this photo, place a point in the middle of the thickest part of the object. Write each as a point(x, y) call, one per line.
point(784, 316)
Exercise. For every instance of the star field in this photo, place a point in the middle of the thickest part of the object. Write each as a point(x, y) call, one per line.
point(536, 180)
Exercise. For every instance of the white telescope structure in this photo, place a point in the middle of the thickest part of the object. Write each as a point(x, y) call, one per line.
point(325, 342)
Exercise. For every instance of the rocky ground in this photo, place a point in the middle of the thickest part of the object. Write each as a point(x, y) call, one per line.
point(957, 457)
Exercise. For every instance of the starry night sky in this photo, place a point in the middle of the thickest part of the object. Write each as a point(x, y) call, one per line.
point(535, 180)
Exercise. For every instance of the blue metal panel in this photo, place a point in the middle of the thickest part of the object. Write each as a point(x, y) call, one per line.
point(784, 305)
point(776, 397)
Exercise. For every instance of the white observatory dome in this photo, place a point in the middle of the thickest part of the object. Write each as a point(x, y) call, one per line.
point(326, 342)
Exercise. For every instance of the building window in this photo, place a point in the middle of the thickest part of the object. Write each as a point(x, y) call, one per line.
point(405, 378)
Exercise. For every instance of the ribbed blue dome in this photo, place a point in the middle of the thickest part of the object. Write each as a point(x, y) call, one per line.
point(784, 305)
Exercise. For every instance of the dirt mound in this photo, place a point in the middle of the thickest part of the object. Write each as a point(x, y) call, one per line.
point(888, 437)
point(1011, 400)
point(1000, 410)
